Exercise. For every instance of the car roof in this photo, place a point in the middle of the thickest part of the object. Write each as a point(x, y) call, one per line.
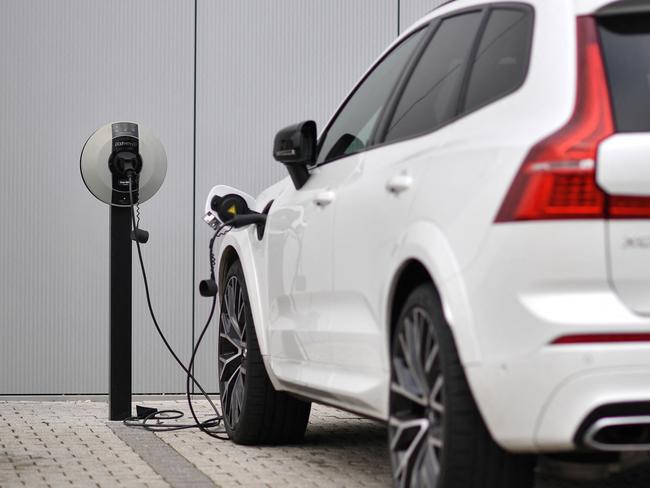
point(581, 7)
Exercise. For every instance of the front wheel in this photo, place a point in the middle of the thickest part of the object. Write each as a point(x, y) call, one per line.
point(253, 411)
point(437, 437)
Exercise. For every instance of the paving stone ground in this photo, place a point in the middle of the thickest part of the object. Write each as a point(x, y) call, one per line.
point(340, 449)
point(69, 443)
point(66, 443)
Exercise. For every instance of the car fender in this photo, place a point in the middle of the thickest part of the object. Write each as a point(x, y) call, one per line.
point(239, 241)
point(423, 241)
point(251, 252)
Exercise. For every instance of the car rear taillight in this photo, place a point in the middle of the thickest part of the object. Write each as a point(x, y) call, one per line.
point(557, 180)
point(600, 338)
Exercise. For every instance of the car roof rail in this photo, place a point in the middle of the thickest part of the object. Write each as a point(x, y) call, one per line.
point(439, 5)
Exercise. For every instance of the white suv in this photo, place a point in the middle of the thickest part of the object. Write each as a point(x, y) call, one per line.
point(464, 253)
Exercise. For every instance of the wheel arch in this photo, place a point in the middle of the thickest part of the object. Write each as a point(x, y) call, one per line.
point(411, 274)
point(228, 256)
point(424, 255)
point(237, 246)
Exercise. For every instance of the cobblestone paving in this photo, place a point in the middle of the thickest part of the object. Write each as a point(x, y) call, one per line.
point(339, 450)
point(63, 444)
point(70, 444)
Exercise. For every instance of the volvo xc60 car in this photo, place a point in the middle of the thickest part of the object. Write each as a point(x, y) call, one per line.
point(463, 252)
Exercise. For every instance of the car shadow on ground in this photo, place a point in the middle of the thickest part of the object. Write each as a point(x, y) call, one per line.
point(347, 437)
point(633, 478)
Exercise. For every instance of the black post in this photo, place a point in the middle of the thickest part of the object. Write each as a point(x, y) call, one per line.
point(119, 395)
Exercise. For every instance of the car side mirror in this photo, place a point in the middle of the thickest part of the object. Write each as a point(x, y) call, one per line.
point(295, 147)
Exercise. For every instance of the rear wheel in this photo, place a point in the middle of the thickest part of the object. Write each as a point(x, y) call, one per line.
point(254, 412)
point(437, 437)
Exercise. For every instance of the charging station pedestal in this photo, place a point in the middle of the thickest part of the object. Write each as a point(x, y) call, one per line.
point(120, 314)
point(122, 163)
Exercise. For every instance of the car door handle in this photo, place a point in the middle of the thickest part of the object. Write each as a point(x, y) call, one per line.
point(398, 184)
point(324, 198)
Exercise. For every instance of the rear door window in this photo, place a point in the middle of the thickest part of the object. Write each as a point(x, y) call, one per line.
point(501, 60)
point(625, 41)
point(430, 98)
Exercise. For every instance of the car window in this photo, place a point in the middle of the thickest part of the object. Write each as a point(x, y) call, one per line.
point(626, 43)
point(501, 59)
point(430, 97)
point(351, 130)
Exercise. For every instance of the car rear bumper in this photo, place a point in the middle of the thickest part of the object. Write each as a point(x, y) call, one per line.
point(531, 284)
point(569, 412)
point(539, 403)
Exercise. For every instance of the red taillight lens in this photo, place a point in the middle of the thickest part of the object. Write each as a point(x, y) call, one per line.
point(553, 190)
point(601, 338)
point(557, 180)
point(628, 207)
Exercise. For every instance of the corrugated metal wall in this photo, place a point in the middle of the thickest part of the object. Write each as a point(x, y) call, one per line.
point(70, 66)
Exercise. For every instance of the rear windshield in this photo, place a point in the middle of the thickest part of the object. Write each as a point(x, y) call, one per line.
point(625, 41)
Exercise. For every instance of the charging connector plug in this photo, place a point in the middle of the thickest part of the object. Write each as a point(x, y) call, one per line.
point(208, 288)
point(140, 235)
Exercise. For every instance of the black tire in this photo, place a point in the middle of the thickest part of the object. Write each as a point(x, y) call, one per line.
point(433, 413)
point(254, 412)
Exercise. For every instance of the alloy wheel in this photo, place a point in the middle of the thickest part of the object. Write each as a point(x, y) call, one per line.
point(416, 402)
point(232, 351)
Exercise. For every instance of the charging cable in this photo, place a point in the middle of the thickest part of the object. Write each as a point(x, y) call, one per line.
point(211, 426)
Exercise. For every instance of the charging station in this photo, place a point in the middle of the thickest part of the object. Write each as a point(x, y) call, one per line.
point(122, 164)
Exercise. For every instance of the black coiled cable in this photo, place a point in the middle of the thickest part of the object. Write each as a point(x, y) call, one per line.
point(210, 425)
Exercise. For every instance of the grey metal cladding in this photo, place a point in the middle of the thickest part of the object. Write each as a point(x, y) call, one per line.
point(69, 67)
